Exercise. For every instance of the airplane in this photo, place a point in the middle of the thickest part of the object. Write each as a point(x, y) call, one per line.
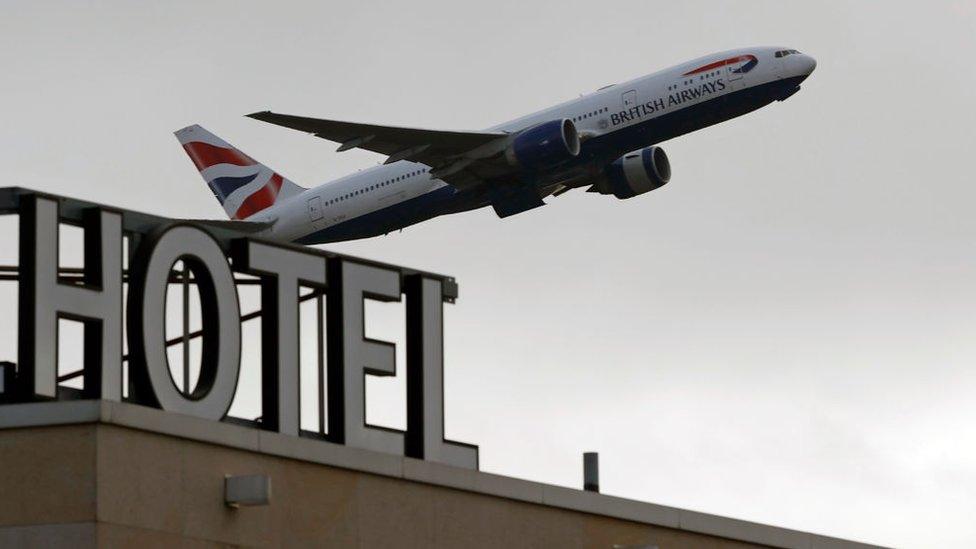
point(606, 141)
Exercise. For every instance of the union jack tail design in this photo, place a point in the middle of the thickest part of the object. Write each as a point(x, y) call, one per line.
point(242, 185)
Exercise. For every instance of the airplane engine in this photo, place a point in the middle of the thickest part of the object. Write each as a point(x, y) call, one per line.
point(544, 145)
point(636, 173)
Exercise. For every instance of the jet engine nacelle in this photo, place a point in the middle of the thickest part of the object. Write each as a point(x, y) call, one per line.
point(636, 173)
point(544, 145)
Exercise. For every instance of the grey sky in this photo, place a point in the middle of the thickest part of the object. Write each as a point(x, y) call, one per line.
point(784, 333)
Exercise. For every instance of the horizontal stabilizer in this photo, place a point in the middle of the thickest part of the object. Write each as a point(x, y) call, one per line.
point(239, 226)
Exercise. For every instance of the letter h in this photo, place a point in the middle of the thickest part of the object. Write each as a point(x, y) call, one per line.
point(96, 301)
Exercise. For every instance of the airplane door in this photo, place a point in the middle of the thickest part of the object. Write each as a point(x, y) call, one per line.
point(734, 78)
point(314, 209)
point(629, 99)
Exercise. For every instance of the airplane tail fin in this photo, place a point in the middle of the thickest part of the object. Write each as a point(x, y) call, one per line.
point(242, 185)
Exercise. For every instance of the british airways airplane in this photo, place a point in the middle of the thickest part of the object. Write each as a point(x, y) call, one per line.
point(605, 141)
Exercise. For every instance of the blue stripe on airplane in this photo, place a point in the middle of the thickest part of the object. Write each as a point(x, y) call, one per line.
point(224, 186)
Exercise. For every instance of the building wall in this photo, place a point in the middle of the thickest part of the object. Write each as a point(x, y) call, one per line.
point(109, 486)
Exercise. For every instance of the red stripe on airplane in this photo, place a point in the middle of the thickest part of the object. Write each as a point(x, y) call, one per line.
point(205, 155)
point(722, 63)
point(261, 199)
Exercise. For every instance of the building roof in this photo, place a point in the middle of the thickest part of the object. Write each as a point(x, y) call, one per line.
point(336, 455)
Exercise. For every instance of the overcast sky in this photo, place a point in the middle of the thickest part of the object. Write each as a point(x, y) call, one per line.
point(784, 333)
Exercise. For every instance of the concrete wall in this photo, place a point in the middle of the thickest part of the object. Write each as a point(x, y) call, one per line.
point(108, 486)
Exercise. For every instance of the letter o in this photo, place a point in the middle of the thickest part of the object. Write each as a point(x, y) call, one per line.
point(149, 365)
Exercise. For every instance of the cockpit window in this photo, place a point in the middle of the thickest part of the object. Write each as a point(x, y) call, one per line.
point(784, 53)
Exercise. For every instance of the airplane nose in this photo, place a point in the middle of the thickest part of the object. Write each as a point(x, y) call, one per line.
point(807, 64)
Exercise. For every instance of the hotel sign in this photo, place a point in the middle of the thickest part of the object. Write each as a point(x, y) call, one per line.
point(214, 253)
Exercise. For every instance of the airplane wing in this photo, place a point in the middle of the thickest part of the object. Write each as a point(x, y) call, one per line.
point(448, 152)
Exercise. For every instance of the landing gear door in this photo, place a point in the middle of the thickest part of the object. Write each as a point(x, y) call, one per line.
point(314, 209)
